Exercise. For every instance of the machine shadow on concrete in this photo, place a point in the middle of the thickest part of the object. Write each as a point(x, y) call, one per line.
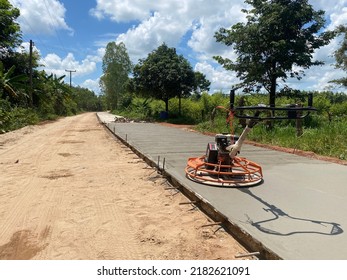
point(283, 224)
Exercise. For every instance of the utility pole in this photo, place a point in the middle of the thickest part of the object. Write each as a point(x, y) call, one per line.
point(31, 72)
point(70, 74)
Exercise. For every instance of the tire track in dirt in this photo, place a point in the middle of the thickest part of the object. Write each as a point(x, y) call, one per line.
point(37, 160)
point(122, 242)
point(28, 180)
point(85, 208)
point(78, 194)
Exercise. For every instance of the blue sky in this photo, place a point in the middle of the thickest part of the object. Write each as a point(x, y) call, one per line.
point(72, 35)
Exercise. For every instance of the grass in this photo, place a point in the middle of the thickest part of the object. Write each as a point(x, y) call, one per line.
point(324, 138)
point(328, 140)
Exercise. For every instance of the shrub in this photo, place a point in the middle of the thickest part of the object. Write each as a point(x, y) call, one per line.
point(16, 117)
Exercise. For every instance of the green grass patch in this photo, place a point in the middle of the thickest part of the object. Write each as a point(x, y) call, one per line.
point(330, 139)
point(321, 137)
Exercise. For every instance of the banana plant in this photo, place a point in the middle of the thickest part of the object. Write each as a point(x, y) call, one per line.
point(9, 83)
point(60, 92)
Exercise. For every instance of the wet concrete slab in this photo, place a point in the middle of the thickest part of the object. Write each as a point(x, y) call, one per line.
point(298, 212)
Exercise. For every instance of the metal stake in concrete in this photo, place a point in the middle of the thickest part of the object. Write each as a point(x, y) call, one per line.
point(213, 224)
point(171, 188)
point(189, 202)
point(247, 255)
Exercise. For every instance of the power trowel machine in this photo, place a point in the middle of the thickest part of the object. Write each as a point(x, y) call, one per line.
point(221, 165)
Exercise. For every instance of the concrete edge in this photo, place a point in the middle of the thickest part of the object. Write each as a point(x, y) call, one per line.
point(243, 237)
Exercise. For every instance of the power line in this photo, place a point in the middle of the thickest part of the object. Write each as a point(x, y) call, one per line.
point(37, 37)
point(51, 23)
point(53, 27)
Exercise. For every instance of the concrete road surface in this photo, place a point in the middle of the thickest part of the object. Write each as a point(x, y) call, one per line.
point(298, 212)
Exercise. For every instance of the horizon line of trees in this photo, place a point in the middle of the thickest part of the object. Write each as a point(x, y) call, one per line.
point(278, 38)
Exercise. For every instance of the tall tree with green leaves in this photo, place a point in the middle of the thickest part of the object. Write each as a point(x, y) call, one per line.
point(10, 35)
point(116, 66)
point(341, 55)
point(279, 37)
point(201, 82)
point(163, 75)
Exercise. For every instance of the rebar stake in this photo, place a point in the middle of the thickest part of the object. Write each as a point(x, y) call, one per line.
point(247, 255)
point(189, 202)
point(213, 224)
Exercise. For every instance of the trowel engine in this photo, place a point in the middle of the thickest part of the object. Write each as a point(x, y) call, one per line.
point(217, 152)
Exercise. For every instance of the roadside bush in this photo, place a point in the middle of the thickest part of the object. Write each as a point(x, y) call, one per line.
point(5, 118)
point(16, 117)
point(157, 106)
point(191, 112)
point(138, 109)
point(339, 109)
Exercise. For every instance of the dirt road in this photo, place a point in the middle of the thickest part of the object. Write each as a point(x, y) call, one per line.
point(69, 190)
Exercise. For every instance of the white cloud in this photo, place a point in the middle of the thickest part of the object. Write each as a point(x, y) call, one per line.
point(25, 48)
point(57, 65)
point(221, 79)
point(317, 78)
point(326, 53)
point(119, 10)
point(203, 41)
point(338, 18)
point(41, 16)
point(136, 10)
point(171, 22)
point(92, 85)
point(153, 32)
point(335, 11)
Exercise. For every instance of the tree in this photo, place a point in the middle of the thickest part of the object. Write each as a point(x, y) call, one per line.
point(163, 75)
point(201, 83)
point(21, 60)
point(86, 99)
point(341, 56)
point(9, 83)
point(10, 35)
point(116, 66)
point(278, 37)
